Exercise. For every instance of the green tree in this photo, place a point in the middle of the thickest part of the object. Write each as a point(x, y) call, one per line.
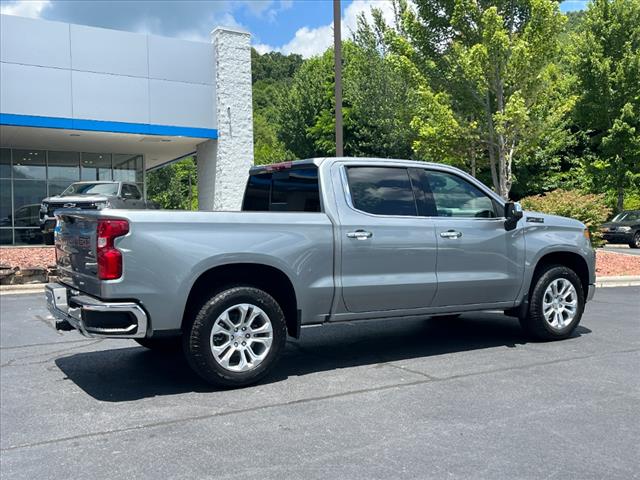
point(174, 186)
point(272, 74)
point(488, 66)
point(606, 59)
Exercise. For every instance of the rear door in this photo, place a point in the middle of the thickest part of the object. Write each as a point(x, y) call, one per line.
point(388, 253)
point(479, 262)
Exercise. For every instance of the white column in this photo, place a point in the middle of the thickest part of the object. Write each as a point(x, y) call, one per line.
point(223, 164)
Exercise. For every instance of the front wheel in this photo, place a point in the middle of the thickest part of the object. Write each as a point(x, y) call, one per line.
point(236, 338)
point(635, 243)
point(556, 304)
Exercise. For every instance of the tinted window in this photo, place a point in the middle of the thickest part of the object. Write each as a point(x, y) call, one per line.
point(381, 190)
point(455, 197)
point(294, 190)
point(130, 191)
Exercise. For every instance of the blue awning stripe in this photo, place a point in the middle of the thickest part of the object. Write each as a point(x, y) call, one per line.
point(104, 126)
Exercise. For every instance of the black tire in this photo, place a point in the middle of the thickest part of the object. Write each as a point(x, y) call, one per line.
point(446, 317)
point(196, 340)
point(48, 238)
point(534, 323)
point(165, 344)
point(635, 243)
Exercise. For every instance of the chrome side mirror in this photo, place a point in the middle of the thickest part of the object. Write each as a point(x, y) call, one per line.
point(512, 213)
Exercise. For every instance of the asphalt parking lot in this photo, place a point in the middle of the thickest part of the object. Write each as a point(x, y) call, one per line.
point(410, 399)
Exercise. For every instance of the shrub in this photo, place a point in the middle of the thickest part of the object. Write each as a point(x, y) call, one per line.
point(590, 209)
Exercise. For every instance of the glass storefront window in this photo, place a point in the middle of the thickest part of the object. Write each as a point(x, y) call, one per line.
point(96, 166)
point(27, 195)
point(56, 188)
point(28, 236)
point(5, 163)
point(128, 168)
point(5, 204)
point(6, 236)
point(63, 166)
point(28, 176)
point(29, 164)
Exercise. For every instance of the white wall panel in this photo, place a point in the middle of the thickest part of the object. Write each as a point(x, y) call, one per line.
point(108, 51)
point(29, 90)
point(180, 60)
point(184, 104)
point(98, 96)
point(34, 42)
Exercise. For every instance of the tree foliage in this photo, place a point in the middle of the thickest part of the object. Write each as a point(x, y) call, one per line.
point(606, 61)
point(174, 186)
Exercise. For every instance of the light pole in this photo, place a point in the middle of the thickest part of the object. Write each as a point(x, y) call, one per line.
point(337, 53)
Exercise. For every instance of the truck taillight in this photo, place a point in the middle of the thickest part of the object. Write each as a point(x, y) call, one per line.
point(109, 257)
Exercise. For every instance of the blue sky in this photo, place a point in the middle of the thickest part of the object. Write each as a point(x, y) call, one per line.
point(290, 26)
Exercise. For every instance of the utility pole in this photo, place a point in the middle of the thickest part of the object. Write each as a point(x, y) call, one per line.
point(337, 53)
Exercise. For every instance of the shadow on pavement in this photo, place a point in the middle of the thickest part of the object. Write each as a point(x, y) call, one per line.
point(128, 374)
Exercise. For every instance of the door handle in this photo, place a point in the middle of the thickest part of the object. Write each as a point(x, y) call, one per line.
point(451, 234)
point(360, 235)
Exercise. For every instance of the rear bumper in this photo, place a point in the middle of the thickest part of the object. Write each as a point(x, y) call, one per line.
point(93, 317)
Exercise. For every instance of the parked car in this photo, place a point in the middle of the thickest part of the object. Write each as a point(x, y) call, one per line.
point(623, 228)
point(90, 196)
point(318, 241)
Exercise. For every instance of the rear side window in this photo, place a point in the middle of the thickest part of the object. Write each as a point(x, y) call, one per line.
point(293, 190)
point(382, 190)
point(130, 191)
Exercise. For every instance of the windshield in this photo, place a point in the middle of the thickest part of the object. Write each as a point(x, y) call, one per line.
point(626, 217)
point(91, 189)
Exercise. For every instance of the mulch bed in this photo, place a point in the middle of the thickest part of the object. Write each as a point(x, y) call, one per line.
point(28, 257)
point(616, 264)
point(607, 263)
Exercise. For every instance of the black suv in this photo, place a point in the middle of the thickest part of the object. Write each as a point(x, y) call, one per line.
point(623, 228)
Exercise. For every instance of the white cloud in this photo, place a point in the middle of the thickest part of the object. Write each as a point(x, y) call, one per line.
point(263, 48)
point(309, 42)
point(24, 8)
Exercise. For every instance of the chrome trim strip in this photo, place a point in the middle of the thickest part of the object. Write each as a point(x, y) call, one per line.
point(58, 299)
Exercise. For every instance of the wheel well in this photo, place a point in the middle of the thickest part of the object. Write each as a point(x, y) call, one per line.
point(264, 277)
point(568, 259)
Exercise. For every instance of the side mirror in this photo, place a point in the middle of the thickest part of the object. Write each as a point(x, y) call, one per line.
point(512, 213)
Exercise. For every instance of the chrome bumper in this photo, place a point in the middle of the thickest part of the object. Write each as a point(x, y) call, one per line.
point(67, 305)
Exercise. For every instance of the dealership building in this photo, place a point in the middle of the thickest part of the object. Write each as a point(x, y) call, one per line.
point(86, 103)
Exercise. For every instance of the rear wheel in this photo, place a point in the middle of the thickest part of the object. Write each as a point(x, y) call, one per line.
point(635, 243)
point(556, 304)
point(236, 337)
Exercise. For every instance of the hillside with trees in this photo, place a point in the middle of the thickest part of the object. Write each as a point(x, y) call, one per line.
point(518, 94)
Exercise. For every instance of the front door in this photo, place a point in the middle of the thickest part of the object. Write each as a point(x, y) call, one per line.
point(388, 258)
point(479, 262)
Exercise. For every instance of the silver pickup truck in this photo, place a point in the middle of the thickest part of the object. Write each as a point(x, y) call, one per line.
point(93, 195)
point(318, 241)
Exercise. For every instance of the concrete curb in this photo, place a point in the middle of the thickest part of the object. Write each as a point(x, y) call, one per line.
point(19, 289)
point(623, 281)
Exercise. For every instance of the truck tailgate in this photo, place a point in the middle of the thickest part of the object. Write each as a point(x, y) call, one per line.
point(76, 252)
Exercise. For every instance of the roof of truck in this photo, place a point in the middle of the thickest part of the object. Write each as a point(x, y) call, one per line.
point(319, 160)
